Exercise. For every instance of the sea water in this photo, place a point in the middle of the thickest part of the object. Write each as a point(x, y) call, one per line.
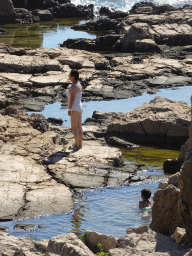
point(124, 105)
point(106, 210)
point(126, 5)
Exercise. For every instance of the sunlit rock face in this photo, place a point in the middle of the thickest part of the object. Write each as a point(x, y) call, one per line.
point(7, 12)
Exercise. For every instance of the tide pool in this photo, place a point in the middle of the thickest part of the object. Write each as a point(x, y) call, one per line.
point(106, 210)
point(124, 105)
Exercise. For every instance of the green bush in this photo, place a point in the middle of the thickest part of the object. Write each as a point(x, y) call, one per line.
point(82, 238)
point(102, 253)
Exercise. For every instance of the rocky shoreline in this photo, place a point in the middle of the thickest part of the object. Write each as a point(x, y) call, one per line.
point(138, 241)
point(33, 78)
point(151, 50)
point(36, 163)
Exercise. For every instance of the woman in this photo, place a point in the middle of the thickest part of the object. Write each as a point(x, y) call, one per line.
point(75, 110)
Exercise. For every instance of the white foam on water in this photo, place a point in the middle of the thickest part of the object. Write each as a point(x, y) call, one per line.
point(126, 5)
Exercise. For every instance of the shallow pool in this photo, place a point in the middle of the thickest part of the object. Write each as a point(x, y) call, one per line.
point(48, 34)
point(106, 210)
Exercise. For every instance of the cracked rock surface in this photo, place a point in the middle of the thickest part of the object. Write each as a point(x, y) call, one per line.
point(38, 171)
point(30, 79)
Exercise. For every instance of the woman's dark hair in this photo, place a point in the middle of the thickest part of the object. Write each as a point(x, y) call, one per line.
point(146, 193)
point(75, 73)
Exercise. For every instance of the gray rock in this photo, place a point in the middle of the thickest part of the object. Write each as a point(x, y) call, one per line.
point(166, 214)
point(7, 12)
point(133, 40)
point(120, 142)
point(143, 241)
point(146, 45)
point(161, 121)
point(3, 228)
point(39, 122)
point(69, 10)
point(24, 226)
point(100, 24)
point(67, 245)
point(56, 121)
point(92, 239)
point(45, 15)
point(186, 194)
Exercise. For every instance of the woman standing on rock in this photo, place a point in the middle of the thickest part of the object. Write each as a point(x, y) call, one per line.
point(75, 109)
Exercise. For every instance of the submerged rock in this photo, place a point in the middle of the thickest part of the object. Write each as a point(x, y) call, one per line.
point(24, 226)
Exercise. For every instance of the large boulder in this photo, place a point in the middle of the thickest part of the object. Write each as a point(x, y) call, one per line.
point(161, 122)
point(7, 12)
point(166, 215)
point(186, 195)
point(139, 39)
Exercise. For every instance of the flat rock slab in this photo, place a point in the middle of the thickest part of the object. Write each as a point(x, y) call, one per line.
point(17, 78)
point(47, 79)
point(27, 64)
point(91, 166)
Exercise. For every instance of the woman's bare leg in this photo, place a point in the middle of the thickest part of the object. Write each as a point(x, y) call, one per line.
point(77, 128)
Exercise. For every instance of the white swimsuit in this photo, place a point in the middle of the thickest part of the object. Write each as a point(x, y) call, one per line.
point(77, 106)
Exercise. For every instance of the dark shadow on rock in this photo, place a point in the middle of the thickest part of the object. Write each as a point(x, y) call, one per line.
point(168, 244)
point(56, 157)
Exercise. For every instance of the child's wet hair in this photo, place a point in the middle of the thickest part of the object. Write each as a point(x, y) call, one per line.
point(146, 193)
point(75, 73)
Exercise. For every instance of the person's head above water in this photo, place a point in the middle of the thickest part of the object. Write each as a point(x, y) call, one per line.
point(145, 193)
point(74, 75)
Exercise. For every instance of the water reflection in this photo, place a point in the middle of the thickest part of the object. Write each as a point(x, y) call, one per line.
point(149, 156)
point(78, 215)
point(106, 210)
point(44, 34)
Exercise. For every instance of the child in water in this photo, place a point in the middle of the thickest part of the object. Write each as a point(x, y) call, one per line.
point(145, 195)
